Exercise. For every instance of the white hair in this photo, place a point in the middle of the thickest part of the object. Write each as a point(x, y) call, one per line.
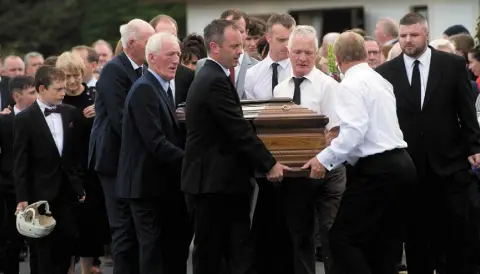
point(330, 38)
point(132, 30)
point(443, 43)
point(155, 42)
point(395, 51)
point(308, 31)
point(29, 55)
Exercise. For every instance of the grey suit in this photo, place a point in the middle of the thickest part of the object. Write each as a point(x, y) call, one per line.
point(247, 62)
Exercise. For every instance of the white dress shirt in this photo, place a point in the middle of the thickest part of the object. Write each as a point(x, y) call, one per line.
point(134, 65)
point(258, 79)
point(54, 122)
point(16, 110)
point(424, 68)
point(317, 93)
point(366, 107)
point(92, 82)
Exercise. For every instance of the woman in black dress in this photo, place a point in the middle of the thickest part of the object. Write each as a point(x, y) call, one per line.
point(92, 218)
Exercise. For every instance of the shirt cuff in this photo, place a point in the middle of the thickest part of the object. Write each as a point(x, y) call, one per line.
point(328, 159)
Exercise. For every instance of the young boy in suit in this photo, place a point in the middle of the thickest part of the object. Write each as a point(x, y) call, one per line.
point(46, 166)
point(22, 90)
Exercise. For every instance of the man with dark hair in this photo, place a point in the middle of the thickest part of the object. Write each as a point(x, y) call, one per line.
point(453, 30)
point(222, 152)
point(373, 50)
point(46, 166)
point(437, 118)
point(23, 92)
point(245, 61)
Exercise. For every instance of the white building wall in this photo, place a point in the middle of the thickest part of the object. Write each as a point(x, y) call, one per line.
point(441, 13)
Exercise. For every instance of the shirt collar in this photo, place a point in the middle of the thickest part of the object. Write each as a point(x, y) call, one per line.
point(43, 106)
point(16, 110)
point(134, 65)
point(309, 76)
point(284, 63)
point(163, 83)
point(357, 67)
point(424, 58)
point(240, 59)
point(227, 72)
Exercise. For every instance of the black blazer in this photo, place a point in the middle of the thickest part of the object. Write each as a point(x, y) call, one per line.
point(152, 144)
point(38, 169)
point(7, 99)
point(183, 79)
point(6, 155)
point(222, 150)
point(445, 131)
point(115, 81)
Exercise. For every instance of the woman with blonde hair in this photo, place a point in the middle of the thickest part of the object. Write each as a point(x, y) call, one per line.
point(92, 211)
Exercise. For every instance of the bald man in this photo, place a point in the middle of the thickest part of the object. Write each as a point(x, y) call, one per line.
point(118, 75)
point(13, 66)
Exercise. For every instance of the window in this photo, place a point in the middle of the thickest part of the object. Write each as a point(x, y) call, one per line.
point(423, 10)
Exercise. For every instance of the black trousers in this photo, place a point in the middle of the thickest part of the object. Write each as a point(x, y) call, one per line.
point(124, 239)
point(164, 233)
point(284, 226)
point(10, 240)
point(366, 232)
point(54, 251)
point(222, 234)
point(441, 234)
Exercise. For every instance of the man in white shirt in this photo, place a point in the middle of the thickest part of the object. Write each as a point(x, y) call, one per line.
point(364, 236)
point(262, 78)
point(314, 90)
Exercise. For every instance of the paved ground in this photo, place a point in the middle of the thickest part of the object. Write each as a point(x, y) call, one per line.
point(24, 269)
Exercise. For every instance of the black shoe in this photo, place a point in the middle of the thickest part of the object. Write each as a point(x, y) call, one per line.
point(402, 267)
point(23, 254)
point(318, 255)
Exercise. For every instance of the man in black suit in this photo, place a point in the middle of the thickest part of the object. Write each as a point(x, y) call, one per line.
point(116, 79)
point(222, 152)
point(23, 91)
point(6, 100)
point(46, 166)
point(437, 117)
point(184, 76)
point(150, 163)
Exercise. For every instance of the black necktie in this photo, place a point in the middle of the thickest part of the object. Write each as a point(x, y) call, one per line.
point(274, 76)
point(49, 111)
point(139, 72)
point(296, 91)
point(416, 87)
point(170, 97)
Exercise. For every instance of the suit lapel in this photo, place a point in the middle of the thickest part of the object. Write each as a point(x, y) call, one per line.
point(246, 62)
point(163, 94)
point(128, 66)
point(66, 126)
point(178, 83)
point(219, 69)
point(434, 76)
point(404, 87)
point(39, 119)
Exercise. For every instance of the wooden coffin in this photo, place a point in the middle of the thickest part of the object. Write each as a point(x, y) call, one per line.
point(292, 133)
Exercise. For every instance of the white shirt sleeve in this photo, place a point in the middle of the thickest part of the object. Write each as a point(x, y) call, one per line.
point(249, 83)
point(353, 114)
point(328, 104)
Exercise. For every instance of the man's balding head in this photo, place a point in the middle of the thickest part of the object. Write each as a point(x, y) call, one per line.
point(13, 66)
point(164, 23)
point(134, 37)
point(328, 40)
point(386, 30)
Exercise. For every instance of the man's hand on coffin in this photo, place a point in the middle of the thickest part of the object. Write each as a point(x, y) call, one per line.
point(317, 171)
point(475, 160)
point(275, 174)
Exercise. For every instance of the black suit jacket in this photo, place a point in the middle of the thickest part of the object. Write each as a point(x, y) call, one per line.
point(152, 144)
point(183, 79)
point(38, 169)
point(6, 155)
point(222, 150)
point(7, 99)
point(115, 81)
point(445, 131)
